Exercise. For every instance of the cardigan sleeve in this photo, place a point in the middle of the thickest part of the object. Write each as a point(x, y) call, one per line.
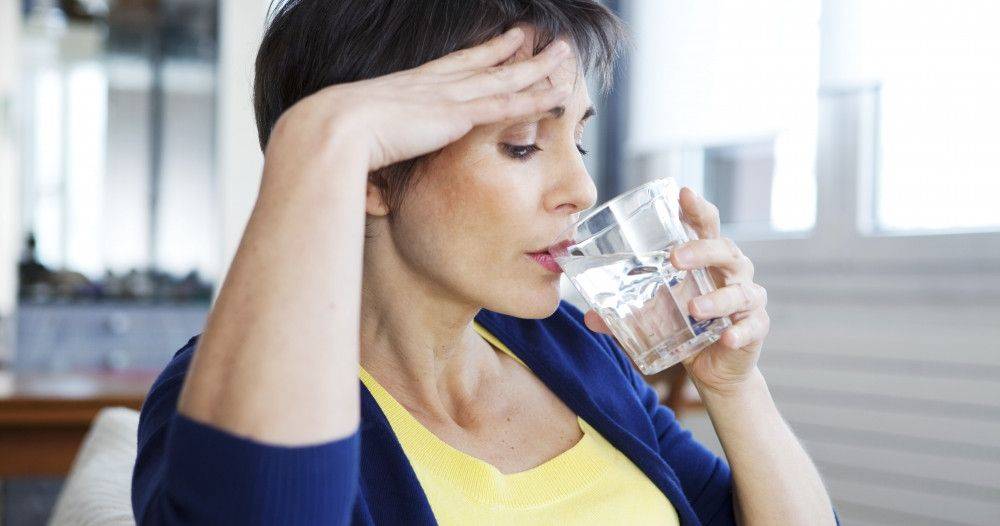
point(187, 472)
point(705, 477)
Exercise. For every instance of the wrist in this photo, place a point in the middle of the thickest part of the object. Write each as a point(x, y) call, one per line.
point(309, 133)
point(751, 384)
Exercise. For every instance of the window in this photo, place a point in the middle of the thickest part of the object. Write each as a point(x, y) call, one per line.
point(118, 152)
point(724, 100)
point(935, 67)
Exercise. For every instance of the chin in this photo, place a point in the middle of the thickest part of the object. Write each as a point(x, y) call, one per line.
point(530, 302)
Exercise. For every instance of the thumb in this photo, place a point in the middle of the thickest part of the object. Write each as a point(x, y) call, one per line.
point(594, 322)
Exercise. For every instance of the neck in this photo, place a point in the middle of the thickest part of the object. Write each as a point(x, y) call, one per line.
point(419, 343)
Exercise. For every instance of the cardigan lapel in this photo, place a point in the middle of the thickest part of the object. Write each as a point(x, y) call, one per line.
point(393, 494)
point(556, 357)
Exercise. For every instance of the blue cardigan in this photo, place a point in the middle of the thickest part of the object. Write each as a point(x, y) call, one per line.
point(191, 473)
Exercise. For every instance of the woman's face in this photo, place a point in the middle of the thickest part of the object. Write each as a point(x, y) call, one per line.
point(485, 201)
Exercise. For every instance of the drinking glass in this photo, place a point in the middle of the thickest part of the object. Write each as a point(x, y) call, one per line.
point(618, 257)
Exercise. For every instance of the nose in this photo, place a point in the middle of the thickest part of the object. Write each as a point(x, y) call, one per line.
point(575, 191)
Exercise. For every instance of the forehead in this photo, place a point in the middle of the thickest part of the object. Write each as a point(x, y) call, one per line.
point(569, 72)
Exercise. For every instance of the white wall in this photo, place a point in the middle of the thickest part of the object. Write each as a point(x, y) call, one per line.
point(937, 66)
point(239, 159)
point(10, 19)
point(713, 71)
point(724, 72)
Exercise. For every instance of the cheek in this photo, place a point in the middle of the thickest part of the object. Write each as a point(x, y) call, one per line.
point(477, 202)
point(452, 223)
point(469, 236)
point(474, 211)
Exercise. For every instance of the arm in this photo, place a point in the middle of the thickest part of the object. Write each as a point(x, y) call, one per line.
point(274, 299)
point(774, 481)
point(189, 473)
point(766, 462)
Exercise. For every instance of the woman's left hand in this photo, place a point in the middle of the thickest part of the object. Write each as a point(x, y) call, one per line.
point(728, 363)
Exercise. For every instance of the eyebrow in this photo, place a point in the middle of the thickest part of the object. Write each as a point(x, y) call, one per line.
point(558, 112)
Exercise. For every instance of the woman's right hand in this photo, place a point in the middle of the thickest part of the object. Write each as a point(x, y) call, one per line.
point(417, 111)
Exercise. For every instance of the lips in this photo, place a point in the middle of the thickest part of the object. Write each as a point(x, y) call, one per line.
point(546, 260)
point(561, 246)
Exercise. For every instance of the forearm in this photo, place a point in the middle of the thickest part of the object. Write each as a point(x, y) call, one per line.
point(774, 479)
point(278, 358)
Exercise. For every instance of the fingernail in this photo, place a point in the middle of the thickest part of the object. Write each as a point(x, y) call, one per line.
point(514, 32)
point(704, 304)
point(683, 256)
point(734, 335)
point(562, 47)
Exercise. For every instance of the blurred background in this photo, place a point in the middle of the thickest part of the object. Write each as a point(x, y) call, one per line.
point(853, 148)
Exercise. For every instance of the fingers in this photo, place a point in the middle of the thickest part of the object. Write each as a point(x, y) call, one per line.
point(504, 106)
point(489, 53)
point(594, 322)
point(511, 77)
point(722, 254)
point(729, 300)
point(749, 330)
point(700, 214)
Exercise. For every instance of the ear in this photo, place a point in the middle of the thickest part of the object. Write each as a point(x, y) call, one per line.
point(374, 203)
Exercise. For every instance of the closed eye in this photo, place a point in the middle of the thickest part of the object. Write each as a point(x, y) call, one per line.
point(526, 151)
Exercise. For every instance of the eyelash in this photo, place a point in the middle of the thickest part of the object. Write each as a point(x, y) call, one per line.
point(524, 152)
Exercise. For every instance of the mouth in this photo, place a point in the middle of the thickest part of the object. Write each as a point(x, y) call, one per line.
point(558, 246)
point(545, 259)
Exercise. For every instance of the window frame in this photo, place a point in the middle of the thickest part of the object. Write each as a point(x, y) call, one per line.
point(846, 165)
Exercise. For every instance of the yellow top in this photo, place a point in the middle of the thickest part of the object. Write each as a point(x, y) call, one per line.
point(590, 483)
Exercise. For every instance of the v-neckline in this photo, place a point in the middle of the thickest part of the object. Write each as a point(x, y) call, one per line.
point(402, 421)
point(568, 472)
point(573, 344)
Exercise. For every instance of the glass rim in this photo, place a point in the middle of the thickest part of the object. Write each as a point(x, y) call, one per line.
point(611, 202)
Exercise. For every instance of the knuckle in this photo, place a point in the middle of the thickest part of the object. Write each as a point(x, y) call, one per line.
point(712, 211)
point(498, 104)
point(506, 98)
point(746, 300)
point(755, 325)
point(747, 264)
point(498, 72)
point(761, 293)
point(758, 328)
point(732, 249)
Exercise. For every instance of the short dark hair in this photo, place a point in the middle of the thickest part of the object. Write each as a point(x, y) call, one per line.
point(311, 44)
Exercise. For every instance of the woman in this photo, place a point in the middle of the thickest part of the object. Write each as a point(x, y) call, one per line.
point(483, 398)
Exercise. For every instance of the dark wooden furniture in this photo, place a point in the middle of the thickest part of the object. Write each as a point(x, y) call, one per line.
point(44, 416)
